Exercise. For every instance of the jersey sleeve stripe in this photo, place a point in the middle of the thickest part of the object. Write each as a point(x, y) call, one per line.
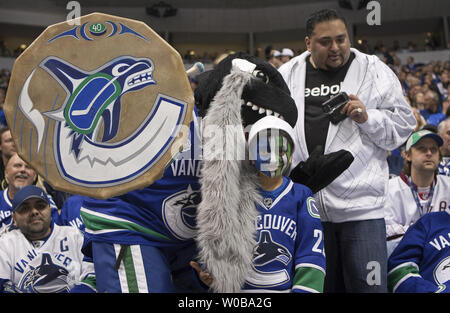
point(309, 290)
point(400, 273)
point(99, 222)
point(310, 265)
point(309, 278)
point(90, 280)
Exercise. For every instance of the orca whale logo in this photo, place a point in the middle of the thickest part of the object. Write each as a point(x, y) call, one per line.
point(47, 277)
point(93, 101)
point(97, 94)
point(268, 251)
point(179, 213)
point(441, 272)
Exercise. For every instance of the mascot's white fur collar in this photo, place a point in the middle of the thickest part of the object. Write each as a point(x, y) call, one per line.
point(226, 215)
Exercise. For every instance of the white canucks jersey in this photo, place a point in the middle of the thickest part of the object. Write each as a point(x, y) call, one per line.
point(289, 255)
point(421, 261)
point(48, 266)
point(401, 209)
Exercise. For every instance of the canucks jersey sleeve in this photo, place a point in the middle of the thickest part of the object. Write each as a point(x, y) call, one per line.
point(411, 264)
point(309, 255)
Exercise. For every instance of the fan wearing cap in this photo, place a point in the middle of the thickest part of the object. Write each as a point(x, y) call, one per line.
point(39, 256)
point(275, 58)
point(418, 190)
point(286, 55)
point(17, 175)
point(289, 252)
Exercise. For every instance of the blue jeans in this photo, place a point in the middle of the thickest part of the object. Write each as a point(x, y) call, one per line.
point(356, 256)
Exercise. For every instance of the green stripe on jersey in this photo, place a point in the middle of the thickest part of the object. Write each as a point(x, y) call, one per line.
point(398, 273)
point(130, 272)
point(309, 277)
point(100, 222)
point(91, 281)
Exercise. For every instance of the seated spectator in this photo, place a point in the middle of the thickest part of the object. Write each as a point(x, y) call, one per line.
point(7, 149)
point(413, 85)
point(402, 78)
point(395, 158)
point(444, 132)
point(18, 174)
point(275, 58)
point(419, 118)
point(286, 55)
point(40, 256)
point(3, 122)
point(432, 84)
point(395, 161)
point(418, 190)
point(386, 56)
point(445, 83)
point(420, 262)
point(410, 65)
point(446, 106)
point(432, 112)
point(419, 101)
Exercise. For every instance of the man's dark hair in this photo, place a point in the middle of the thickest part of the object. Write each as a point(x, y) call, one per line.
point(2, 131)
point(322, 16)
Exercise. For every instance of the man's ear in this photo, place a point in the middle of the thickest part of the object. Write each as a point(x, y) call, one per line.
point(35, 178)
point(13, 215)
point(308, 43)
point(407, 155)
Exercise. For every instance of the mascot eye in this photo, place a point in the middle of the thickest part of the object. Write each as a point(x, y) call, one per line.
point(261, 75)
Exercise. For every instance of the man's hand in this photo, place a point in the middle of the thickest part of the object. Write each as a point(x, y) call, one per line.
point(205, 277)
point(355, 109)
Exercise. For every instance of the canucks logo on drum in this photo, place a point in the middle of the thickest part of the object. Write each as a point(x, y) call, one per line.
point(97, 94)
point(86, 150)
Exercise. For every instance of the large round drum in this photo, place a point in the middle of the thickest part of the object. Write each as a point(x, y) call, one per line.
point(99, 108)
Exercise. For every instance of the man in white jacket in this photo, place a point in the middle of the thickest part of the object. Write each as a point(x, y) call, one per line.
point(418, 190)
point(378, 119)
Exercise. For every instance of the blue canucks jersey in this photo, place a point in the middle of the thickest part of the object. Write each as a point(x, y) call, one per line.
point(162, 214)
point(289, 255)
point(70, 212)
point(421, 261)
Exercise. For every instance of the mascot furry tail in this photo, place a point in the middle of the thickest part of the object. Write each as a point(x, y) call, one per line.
point(226, 215)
